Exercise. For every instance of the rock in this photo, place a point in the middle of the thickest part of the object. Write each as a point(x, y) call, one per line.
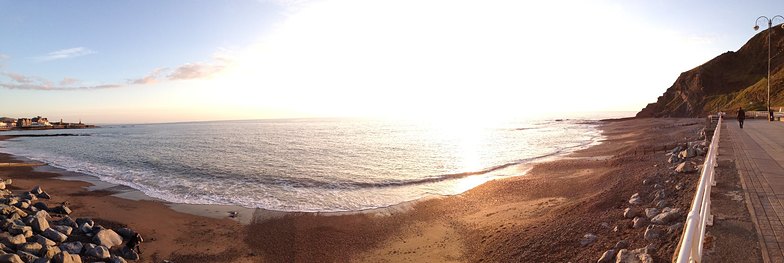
point(42, 260)
point(661, 203)
point(621, 244)
point(650, 248)
point(631, 212)
point(108, 238)
point(651, 212)
point(54, 235)
point(27, 257)
point(688, 153)
point(65, 257)
point(116, 259)
point(85, 228)
point(674, 159)
point(22, 205)
point(654, 232)
point(99, 252)
point(26, 231)
point(667, 216)
point(28, 196)
point(63, 229)
point(635, 199)
point(72, 247)
point(39, 223)
point(13, 240)
point(2, 185)
point(685, 167)
point(41, 206)
point(11, 258)
point(660, 195)
point(676, 228)
point(66, 221)
point(639, 222)
point(49, 252)
point(61, 209)
point(43, 240)
point(607, 257)
point(588, 239)
point(36, 190)
point(83, 220)
point(89, 246)
point(126, 232)
point(44, 195)
point(32, 248)
point(128, 254)
point(633, 256)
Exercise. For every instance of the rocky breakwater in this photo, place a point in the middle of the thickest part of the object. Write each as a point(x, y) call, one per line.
point(37, 232)
point(649, 215)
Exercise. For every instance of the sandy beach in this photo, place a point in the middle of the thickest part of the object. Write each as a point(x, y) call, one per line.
point(539, 217)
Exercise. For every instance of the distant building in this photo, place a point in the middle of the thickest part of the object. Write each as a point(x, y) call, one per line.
point(40, 121)
point(24, 122)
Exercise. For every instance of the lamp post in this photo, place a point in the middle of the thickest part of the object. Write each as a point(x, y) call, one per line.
point(756, 27)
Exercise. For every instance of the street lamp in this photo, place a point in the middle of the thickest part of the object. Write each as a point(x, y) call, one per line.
point(756, 27)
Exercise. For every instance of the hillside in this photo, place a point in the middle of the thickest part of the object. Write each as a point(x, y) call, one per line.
point(726, 82)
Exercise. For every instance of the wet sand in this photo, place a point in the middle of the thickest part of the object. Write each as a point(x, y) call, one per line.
point(538, 217)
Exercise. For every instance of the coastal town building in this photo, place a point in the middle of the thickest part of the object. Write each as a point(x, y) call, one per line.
point(24, 122)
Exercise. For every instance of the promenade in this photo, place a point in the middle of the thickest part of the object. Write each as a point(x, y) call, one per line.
point(759, 153)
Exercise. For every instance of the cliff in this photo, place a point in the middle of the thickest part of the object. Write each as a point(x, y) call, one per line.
point(726, 82)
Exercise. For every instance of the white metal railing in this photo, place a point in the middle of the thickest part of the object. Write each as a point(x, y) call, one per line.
point(690, 249)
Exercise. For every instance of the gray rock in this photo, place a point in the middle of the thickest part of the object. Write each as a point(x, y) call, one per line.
point(28, 196)
point(32, 248)
point(621, 244)
point(685, 167)
point(116, 259)
point(54, 235)
point(654, 232)
point(635, 199)
point(688, 153)
point(108, 238)
point(674, 159)
point(11, 258)
point(61, 209)
point(125, 232)
point(41, 206)
point(99, 252)
point(588, 239)
point(82, 220)
point(128, 254)
point(37, 190)
point(661, 203)
point(72, 247)
point(85, 228)
point(607, 256)
point(631, 212)
point(66, 221)
point(65, 257)
point(676, 228)
point(651, 212)
point(633, 256)
point(63, 229)
point(89, 246)
point(639, 222)
point(667, 216)
point(27, 257)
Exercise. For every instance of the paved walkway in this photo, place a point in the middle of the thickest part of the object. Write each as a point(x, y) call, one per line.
point(759, 152)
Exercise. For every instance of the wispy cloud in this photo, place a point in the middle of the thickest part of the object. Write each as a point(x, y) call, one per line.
point(23, 82)
point(195, 71)
point(65, 54)
point(152, 78)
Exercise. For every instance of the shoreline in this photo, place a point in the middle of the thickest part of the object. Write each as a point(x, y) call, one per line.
point(537, 217)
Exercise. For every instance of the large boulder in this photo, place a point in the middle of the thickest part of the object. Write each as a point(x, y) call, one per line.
point(108, 238)
point(54, 235)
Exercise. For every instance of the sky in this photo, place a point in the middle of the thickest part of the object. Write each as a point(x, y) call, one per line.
point(195, 60)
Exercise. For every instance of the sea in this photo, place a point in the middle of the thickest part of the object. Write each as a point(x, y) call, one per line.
point(312, 165)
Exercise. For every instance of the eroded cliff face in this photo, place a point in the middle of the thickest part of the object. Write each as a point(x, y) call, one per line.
point(728, 81)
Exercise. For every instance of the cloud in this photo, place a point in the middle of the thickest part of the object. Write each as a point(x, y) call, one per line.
point(69, 81)
point(152, 78)
point(22, 82)
point(65, 54)
point(38, 86)
point(19, 78)
point(195, 70)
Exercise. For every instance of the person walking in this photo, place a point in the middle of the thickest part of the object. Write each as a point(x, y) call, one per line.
point(741, 116)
